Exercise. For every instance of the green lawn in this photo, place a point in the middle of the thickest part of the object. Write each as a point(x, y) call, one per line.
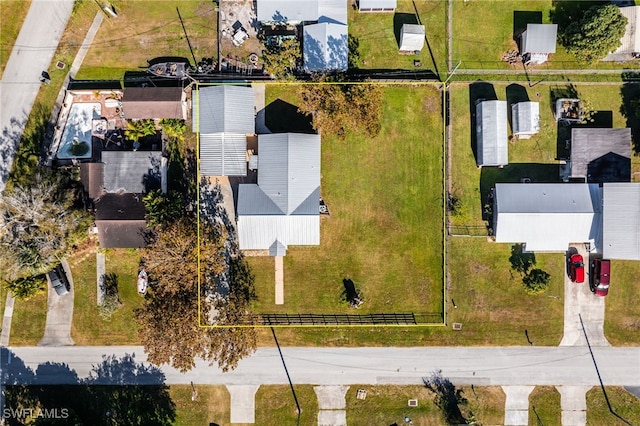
point(275, 405)
point(484, 30)
point(29, 318)
point(377, 34)
point(544, 406)
point(385, 228)
point(624, 404)
point(211, 406)
point(622, 313)
point(12, 15)
point(146, 30)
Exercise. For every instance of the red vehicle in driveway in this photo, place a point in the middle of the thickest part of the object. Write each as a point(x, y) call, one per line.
point(576, 268)
point(601, 274)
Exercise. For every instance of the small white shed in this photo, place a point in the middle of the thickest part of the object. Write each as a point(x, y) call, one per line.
point(491, 133)
point(411, 38)
point(377, 6)
point(538, 41)
point(525, 119)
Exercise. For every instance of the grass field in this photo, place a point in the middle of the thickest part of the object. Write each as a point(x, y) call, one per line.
point(544, 406)
point(145, 30)
point(12, 14)
point(378, 34)
point(624, 404)
point(29, 318)
point(380, 192)
point(211, 406)
point(498, 21)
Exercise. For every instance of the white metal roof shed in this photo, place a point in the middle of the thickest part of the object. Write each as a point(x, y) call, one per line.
point(547, 216)
point(411, 37)
point(540, 38)
point(525, 118)
point(491, 133)
point(621, 221)
point(325, 47)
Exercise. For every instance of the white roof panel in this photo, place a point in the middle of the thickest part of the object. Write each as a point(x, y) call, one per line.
point(377, 4)
point(540, 38)
point(525, 118)
point(332, 11)
point(412, 37)
point(630, 41)
point(621, 217)
point(223, 154)
point(287, 10)
point(261, 232)
point(491, 133)
point(325, 47)
point(224, 109)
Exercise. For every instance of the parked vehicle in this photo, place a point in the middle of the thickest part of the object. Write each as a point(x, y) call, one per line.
point(59, 280)
point(142, 282)
point(576, 268)
point(601, 271)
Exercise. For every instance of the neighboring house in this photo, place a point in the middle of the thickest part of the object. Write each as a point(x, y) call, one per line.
point(411, 38)
point(282, 209)
point(290, 12)
point(325, 47)
point(154, 102)
point(116, 186)
point(525, 119)
point(621, 221)
point(379, 6)
point(537, 42)
point(630, 41)
point(600, 155)
point(491, 133)
point(224, 116)
point(548, 216)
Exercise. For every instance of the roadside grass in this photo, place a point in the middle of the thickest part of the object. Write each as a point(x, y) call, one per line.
point(28, 321)
point(385, 228)
point(88, 327)
point(12, 15)
point(624, 404)
point(544, 406)
point(275, 405)
point(378, 34)
point(211, 406)
point(622, 313)
point(483, 49)
point(145, 30)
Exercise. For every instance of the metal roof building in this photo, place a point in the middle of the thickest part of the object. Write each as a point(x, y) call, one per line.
point(224, 109)
point(377, 5)
point(538, 41)
point(154, 102)
point(283, 208)
point(223, 154)
point(491, 133)
point(547, 216)
point(287, 11)
point(621, 221)
point(325, 47)
point(332, 11)
point(630, 41)
point(411, 37)
point(525, 119)
point(131, 171)
point(601, 155)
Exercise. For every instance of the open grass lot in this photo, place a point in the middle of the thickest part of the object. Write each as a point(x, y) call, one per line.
point(624, 404)
point(544, 406)
point(378, 35)
point(211, 406)
point(145, 30)
point(385, 229)
point(12, 14)
point(622, 313)
point(29, 318)
point(483, 30)
point(88, 327)
point(275, 405)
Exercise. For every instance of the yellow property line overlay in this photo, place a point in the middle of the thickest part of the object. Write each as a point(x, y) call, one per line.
point(443, 88)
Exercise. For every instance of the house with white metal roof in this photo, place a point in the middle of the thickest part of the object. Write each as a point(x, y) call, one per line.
point(411, 38)
point(621, 221)
point(282, 209)
point(548, 216)
point(377, 6)
point(525, 119)
point(537, 42)
point(325, 47)
point(491, 133)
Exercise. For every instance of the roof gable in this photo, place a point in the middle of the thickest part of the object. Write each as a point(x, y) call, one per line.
point(325, 47)
point(225, 108)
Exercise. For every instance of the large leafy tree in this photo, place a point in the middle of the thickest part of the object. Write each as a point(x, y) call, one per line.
point(281, 61)
point(596, 35)
point(339, 108)
point(175, 327)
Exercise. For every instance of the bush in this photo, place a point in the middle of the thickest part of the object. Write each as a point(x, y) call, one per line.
point(536, 281)
point(25, 288)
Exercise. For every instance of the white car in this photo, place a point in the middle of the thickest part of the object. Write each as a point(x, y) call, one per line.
point(142, 282)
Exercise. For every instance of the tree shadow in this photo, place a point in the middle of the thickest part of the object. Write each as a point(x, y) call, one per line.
point(283, 117)
point(399, 19)
point(478, 91)
point(521, 19)
point(350, 294)
point(447, 398)
point(630, 110)
point(520, 260)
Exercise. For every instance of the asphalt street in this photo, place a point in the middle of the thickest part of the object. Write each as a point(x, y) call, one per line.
point(484, 366)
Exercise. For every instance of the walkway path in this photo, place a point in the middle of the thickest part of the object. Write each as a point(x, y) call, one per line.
point(279, 260)
point(258, 104)
point(6, 319)
point(243, 403)
point(32, 53)
point(516, 410)
point(57, 330)
point(332, 405)
point(573, 402)
point(101, 267)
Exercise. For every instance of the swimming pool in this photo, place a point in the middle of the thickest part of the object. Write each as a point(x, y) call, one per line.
point(76, 137)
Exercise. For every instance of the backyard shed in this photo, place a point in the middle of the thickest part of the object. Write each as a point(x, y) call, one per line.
point(537, 42)
point(621, 221)
point(547, 216)
point(325, 47)
point(411, 38)
point(379, 6)
point(525, 119)
point(601, 155)
point(491, 133)
point(140, 103)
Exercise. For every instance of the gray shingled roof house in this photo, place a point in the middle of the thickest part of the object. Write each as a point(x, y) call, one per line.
point(601, 155)
point(491, 133)
point(282, 209)
point(537, 42)
point(154, 102)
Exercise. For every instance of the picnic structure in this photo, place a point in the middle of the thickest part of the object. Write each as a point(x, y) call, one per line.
point(411, 38)
point(600, 155)
point(537, 42)
point(525, 119)
point(491, 133)
point(377, 6)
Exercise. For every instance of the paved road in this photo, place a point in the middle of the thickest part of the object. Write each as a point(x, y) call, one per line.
point(32, 53)
point(345, 366)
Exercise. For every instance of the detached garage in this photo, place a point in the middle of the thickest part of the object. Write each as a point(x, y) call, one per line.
point(411, 38)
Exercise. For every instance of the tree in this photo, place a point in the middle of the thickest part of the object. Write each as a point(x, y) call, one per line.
point(536, 281)
point(163, 208)
point(24, 288)
point(282, 61)
point(596, 35)
point(448, 399)
point(521, 261)
point(137, 129)
point(341, 108)
point(171, 317)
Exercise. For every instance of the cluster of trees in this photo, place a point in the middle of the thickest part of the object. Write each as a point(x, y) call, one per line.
point(282, 61)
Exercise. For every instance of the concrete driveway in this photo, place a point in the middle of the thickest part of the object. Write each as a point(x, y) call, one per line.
point(578, 299)
point(57, 331)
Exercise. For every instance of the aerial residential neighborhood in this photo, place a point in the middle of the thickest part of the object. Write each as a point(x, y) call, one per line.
point(319, 212)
